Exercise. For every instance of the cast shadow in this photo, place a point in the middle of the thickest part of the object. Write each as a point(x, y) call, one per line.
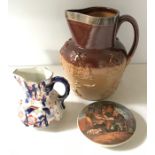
point(138, 137)
point(132, 88)
point(69, 120)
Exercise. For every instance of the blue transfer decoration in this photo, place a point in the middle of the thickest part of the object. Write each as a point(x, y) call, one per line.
point(35, 110)
point(29, 110)
point(47, 110)
point(43, 100)
point(26, 100)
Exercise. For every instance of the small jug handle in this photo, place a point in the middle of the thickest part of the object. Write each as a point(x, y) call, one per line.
point(132, 21)
point(55, 79)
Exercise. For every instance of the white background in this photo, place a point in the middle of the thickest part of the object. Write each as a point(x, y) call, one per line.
point(64, 137)
point(38, 29)
point(151, 76)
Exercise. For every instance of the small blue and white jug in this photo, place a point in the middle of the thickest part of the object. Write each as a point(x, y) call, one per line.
point(41, 104)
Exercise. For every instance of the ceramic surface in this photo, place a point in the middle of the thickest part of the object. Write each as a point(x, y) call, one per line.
point(107, 123)
point(41, 104)
point(94, 59)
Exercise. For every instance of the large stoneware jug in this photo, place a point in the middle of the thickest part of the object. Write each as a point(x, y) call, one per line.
point(94, 59)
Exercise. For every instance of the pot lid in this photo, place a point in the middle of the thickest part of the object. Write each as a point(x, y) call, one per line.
point(107, 123)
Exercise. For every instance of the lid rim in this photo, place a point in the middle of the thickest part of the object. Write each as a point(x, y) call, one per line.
point(114, 143)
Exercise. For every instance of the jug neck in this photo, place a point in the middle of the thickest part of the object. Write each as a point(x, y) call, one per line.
point(93, 28)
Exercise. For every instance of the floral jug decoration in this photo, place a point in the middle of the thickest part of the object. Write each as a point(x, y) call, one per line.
point(41, 104)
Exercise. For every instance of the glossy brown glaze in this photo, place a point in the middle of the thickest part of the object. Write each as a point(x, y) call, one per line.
point(101, 13)
point(132, 21)
point(91, 36)
point(98, 11)
point(93, 58)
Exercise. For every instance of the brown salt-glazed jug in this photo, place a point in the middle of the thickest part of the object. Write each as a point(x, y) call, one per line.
point(94, 59)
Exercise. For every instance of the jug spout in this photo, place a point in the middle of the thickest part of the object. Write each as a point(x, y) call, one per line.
point(30, 79)
point(92, 28)
point(35, 74)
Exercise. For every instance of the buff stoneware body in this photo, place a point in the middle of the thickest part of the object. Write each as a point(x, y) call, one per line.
point(94, 59)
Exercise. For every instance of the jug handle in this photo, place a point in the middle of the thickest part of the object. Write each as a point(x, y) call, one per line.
point(61, 80)
point(132, 21)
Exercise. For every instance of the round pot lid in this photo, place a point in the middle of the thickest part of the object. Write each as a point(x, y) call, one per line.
point(107, 123)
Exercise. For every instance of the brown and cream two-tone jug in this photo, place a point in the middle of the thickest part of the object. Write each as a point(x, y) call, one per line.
point(94, 59)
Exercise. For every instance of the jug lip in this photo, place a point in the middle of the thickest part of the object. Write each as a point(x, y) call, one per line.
point(83, 16)
point(34, 74)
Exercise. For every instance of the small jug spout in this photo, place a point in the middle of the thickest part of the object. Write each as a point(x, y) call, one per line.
point(36, 74)
point(30, 79)
point(92, 28)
